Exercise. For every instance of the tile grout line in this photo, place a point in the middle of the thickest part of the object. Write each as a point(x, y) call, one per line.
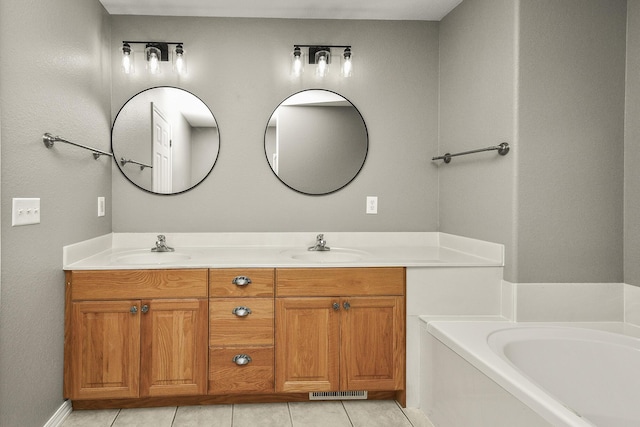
point(290, 415)
point(113, 423)
point(404, 413)
point(346, 412)
point(233, 408)
point(175, 414)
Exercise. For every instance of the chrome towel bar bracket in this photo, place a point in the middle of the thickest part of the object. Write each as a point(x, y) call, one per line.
point(49, 139)
point(502, 149)
point(124, 161)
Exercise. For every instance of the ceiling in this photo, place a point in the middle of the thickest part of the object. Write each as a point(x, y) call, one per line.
point(422, 10)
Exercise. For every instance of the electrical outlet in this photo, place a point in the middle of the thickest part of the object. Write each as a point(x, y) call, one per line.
point(25, 211)
point(372, 205)
point(101, 206)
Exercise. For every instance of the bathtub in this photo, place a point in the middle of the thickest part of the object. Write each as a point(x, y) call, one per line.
point(530, 374)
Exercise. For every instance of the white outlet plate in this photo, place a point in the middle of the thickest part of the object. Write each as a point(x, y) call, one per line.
point(372, 205)
point(101, 206)
point(25, 211)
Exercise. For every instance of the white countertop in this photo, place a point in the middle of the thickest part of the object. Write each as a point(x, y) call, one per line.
point(229, 250)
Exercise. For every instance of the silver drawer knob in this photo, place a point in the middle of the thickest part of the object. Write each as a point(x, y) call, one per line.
point(241, 359)
point(241, 311)
point(241, 280)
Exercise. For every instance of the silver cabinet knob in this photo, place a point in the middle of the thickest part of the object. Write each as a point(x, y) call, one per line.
point(346, 305)
point(133, 309)
point(145, 309)
point(241, 311)
point(241, 281)
point(241, 359)
point(336, 306)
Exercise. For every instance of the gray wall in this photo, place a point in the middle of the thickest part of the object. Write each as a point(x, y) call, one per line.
point(53, 78)
point(478, 63)
point(547, 76)
point(571, 127)
point(632, 149)
point(240, 69)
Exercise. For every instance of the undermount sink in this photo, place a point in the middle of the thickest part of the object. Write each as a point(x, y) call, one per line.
point(148, 258)
point(334, 255)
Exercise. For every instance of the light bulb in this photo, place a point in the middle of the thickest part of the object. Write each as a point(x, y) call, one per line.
point(127, 59)
point(347, 64)
point(154, 64)
point(180, 60)
point(323, 65)
point(297, 63)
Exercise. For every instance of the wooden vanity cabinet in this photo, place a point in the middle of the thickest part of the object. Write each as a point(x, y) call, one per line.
point(340, 329)
point(241, 317)
point(135, 333)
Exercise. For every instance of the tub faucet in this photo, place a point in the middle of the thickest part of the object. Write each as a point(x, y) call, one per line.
point(161, 245)
point(321, 244)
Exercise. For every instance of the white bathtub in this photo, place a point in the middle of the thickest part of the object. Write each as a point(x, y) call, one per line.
point(531, 374)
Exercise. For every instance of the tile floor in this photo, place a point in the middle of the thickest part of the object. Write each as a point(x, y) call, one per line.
point(352, 413)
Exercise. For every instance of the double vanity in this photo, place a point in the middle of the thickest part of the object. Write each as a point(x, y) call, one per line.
point(246, 317)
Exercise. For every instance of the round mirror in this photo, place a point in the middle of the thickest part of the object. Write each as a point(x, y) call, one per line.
point(165, 140)
point(316, 142)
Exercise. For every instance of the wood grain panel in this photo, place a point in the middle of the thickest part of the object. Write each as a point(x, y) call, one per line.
point(372, 343)
point(105, 345)
point(174, 350)
point(225, 377)
point(309, 282)
point(227, 329)
point(139, 284)
point(220, 282)
point(307, 345)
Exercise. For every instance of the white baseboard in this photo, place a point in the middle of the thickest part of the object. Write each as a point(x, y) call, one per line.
point(61, 414)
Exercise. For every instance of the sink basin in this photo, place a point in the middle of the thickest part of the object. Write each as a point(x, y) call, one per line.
point(148, 258)
point(334, 255)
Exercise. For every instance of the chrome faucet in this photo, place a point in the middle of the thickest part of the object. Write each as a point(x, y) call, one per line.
point(161, 245)
point(321, 244)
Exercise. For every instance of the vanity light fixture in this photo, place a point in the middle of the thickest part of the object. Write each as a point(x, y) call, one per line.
point(320, 56)
point(154, 54)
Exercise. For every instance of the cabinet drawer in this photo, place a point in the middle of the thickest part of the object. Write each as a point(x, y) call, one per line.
point(221, 282)
point(138, 284)
point(310, 282)
point(228, 329)
point(225, 376)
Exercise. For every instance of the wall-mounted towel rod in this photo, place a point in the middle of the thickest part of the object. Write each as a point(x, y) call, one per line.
point(503, 149)
point(49, 140)
point(124, 161)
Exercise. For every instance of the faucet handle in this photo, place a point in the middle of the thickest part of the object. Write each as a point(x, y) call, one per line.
point(320, 237)
point(161, 237)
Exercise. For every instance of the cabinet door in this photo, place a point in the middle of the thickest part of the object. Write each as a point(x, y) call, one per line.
point(105, 349)
point(174, 347)
point(307, 344)
point(372, 345)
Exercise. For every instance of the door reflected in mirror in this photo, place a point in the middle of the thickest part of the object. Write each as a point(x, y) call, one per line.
point(316, 142)
point(165, 140)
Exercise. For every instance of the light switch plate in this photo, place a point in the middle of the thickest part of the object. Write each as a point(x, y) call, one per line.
point(25, 211)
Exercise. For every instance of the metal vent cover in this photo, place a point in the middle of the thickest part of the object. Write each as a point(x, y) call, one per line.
point(338, 395)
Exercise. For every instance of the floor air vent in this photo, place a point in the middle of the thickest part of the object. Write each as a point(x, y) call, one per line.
point(338, 395)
